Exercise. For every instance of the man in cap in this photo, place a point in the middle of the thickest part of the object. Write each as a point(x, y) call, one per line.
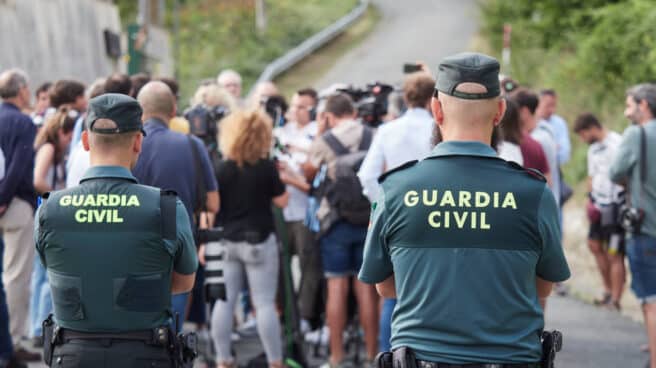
point(467, 242)
point(114, 251)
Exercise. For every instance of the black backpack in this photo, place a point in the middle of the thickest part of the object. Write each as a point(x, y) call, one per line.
point(344, 191)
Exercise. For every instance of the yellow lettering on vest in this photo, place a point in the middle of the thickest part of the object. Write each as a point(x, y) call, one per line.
point(447, 220)
point(482, 199)
point(90, 201)
point(65, 201)
point(115, 219)
point(509, 201)
point(431, 219)
point(81, 215)
point(433, 200)
point(77, 200)
point(447, 198)
point(473, 220)
point(484, 224)
point(496, 199)
point(461, 218)
point(411, 198)
point(98, 215)
point(464, 199)
point(133, 201)
point(102, 200)
point(114, 200)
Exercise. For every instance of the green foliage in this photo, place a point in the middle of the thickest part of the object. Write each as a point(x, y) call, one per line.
point(218, 34)
point(590, 51)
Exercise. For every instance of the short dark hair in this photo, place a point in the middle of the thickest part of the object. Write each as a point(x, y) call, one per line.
point(586, 121)
point(525, 98)
point(44, 87)
point(137, 82)
point(173, 85)
point(309, 92)
point(65, 92)
point(340, 105)
point(118, 83)
point(548, 92)
point(418, 88)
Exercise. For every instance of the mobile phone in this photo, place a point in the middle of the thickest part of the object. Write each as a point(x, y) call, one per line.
point(411, 68)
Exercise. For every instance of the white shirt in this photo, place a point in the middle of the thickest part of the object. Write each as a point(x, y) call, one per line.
point(510, 152)
point(2, 164)
point(78, 163)
point(298, 139)
point(601, 156)
point(396, 142)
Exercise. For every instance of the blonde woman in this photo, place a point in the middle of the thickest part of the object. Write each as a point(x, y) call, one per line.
point(51, 144)
point(250, 183)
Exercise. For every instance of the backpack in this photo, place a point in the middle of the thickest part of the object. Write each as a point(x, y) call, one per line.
point(344, 191)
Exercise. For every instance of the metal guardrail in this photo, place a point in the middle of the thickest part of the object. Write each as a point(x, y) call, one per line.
point(310, 45)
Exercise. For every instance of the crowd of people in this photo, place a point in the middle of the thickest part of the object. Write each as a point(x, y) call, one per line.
point(235, 161)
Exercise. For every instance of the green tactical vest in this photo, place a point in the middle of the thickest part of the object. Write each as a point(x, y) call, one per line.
point(103, 246)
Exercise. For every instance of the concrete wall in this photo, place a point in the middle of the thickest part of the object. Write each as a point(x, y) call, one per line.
point(54, 39)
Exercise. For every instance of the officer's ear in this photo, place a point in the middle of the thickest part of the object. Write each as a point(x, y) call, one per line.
point(438, 112)
point(501, 110)
point(138, 141)
point(85, 140)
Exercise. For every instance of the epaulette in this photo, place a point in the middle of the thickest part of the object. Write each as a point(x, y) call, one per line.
point(396, 169)
point(536, 174)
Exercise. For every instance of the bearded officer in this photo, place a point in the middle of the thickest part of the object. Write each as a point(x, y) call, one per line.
point(467, 242)
point(114, 251)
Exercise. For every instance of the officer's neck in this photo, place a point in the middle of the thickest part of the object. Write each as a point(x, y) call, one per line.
point(470, 136)
point(105, 159)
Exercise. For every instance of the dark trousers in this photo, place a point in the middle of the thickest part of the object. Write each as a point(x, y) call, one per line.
point(304, 244)
point(6, 350)
point(110, 353)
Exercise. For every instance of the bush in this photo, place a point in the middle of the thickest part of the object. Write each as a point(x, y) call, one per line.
point(590, 51)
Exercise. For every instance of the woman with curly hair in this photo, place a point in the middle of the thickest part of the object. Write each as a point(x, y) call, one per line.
point(51, 145)
point(249, 185)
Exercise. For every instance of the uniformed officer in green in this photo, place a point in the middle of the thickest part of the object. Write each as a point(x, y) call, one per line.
point(114, 251)
point(466, 241)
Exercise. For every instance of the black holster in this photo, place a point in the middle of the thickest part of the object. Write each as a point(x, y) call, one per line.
point(402, 357)
point(184, 349)
point(50, 333)
point(552, 343)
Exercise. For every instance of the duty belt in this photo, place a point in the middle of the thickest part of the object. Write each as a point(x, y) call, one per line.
point(425, 364)
point(157, 336)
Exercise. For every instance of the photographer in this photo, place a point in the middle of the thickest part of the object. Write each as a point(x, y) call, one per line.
point(606, 236)
point(250, 183)
point(631, 168)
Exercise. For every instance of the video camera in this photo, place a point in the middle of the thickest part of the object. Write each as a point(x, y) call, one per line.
point(276, 107)
point(371, 102)
point(203, 122)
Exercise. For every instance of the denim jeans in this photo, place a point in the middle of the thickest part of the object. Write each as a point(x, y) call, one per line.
point(179, 305)
point(6, 348)
point(385, 334)
point(41, 302)
point(641, 252)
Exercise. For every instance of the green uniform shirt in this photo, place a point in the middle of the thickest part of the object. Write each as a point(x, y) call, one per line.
point(627, 168)
point(108, 262)
point(465, 234)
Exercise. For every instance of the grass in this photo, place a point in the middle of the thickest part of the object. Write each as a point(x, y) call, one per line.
point(311, 69)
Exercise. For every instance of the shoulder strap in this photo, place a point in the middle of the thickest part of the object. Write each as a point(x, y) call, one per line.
point(398, 168)
point(199, 200)
point(167, 205)
point(335, 145)
point(643, 155)
point(365, 141)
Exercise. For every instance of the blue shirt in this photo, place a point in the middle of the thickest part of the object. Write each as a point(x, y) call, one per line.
point(167, 162)
point(465, 235)
point(17, 133)
point(561, 134)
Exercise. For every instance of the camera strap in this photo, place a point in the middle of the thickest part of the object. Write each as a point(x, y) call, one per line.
point(643, 162)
